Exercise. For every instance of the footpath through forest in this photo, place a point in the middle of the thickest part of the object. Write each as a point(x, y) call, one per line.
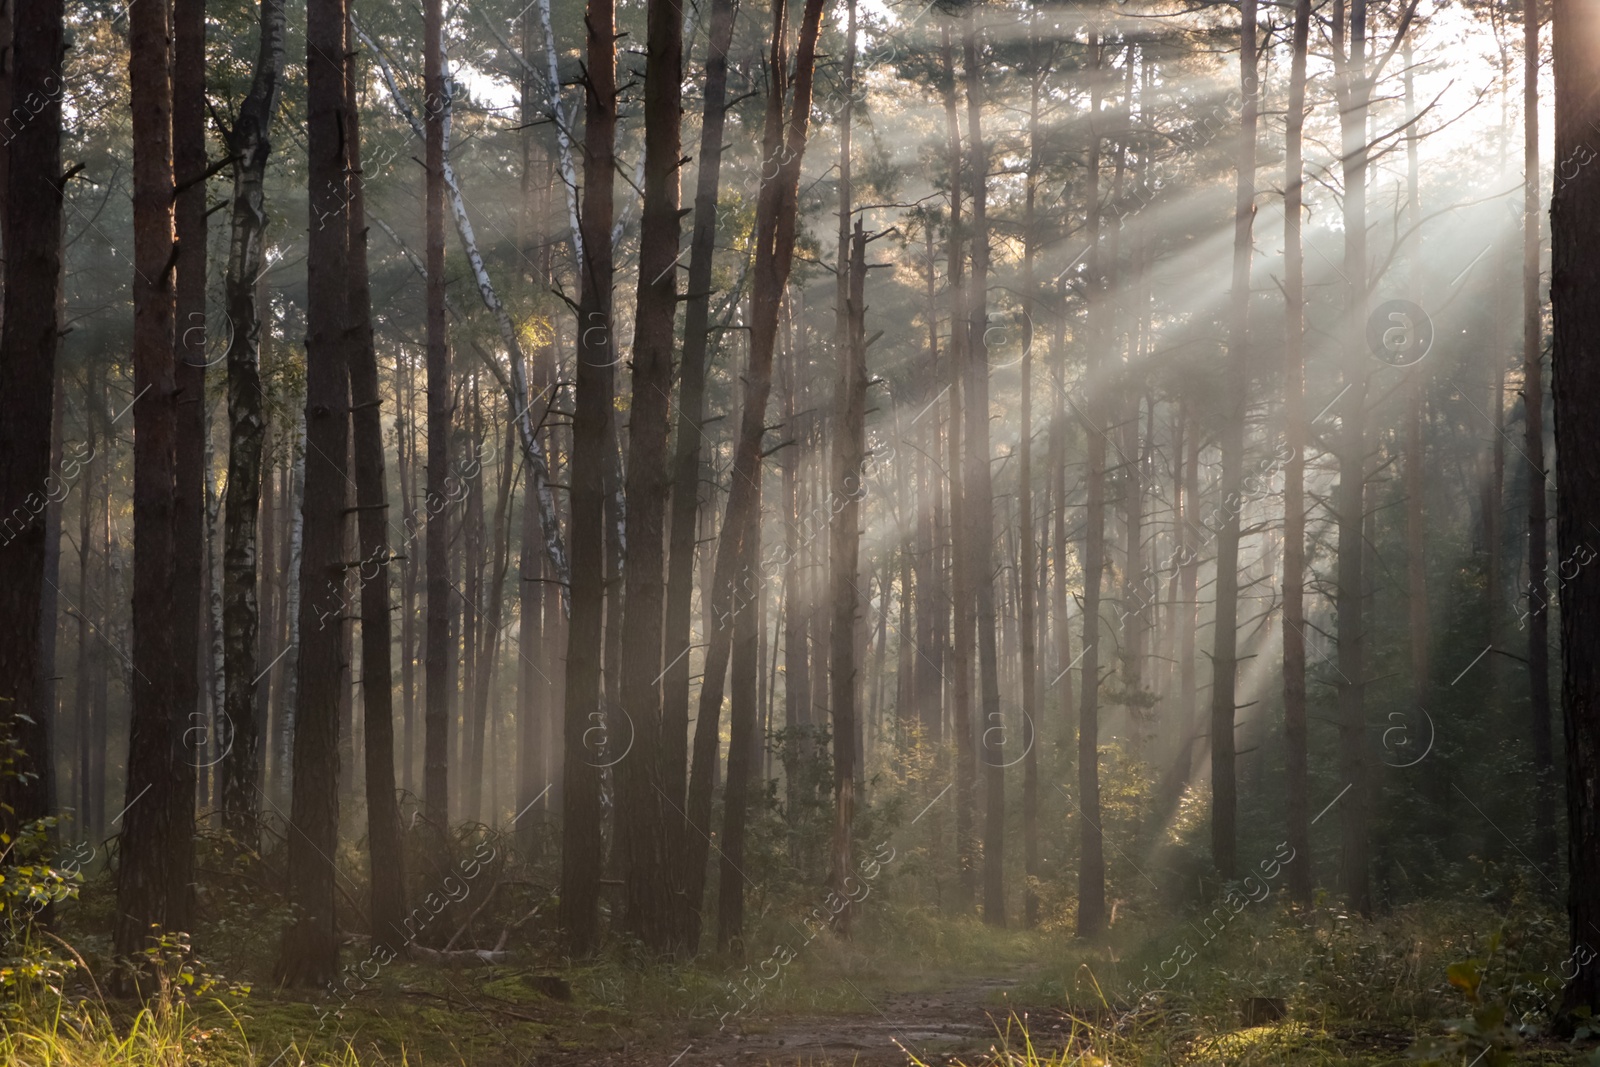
point(959, 1020)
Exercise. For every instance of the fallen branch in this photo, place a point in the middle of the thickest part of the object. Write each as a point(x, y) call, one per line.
point(457, 957)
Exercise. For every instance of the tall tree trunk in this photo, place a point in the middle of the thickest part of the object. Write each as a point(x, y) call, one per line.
point(83, 685)
point(532, 693)
point(742, 741)
point(645, 834)
point(844, 547)
point(436, 639)
point(406, 455)
point(29, 342)
point(7, 45)
point(931, 606)
point(349, 612)
point(50, 600)
point(293, 553)
point(384, 845)
point(818, 626)
point(1415, 453)
point(489, 641)
point(310, 951)
point(796, 665)
point(581, 858)
point(97, 786)
point(769, 685)
point(841, 273)
point(250, 142)
point(1575, 381)
point(849, 454)
point(1058, 544)
point(1297, 780)
point(616, 531)
point(189, 377)
point(1354, 91)
point(1544, 807)
point(980, 491)
point(783, 148)
point(1026, 589)
point(1494, 507)
point(148, 891)
point(960, 563)
point(905, 697)
point(269, 610)
point(1091, 845)
point(463, 767)
point(217, 735)
point(1225, 651)
point(678, 624)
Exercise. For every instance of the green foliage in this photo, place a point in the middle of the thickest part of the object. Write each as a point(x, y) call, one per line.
point(32, 878)
point(1511, 991)
point(30, 881)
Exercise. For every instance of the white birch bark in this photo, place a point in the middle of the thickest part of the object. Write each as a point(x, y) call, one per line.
point(562, 117)
point(517, 389)
point(221, 733)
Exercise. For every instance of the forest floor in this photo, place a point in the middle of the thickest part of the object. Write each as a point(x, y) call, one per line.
point(894, 1017)
point(482, 1020)
point(1451, 986)
point(959, 1018)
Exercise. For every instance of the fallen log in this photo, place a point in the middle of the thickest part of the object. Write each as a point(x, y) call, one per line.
point(462, 956)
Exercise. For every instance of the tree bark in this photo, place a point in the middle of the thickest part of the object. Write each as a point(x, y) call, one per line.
point(1027, 607)
point(384, 843)
point(189, 377)
point(678, 626)
point(1297, 779)
point(410, 567)
point(1354, 90)
point(742, 741)
point(979, 503)
point(148, 893)
point(250, 143)
point(645, 783)
point(960, 564)
point(293, 552)
point(29, 343)
point(783, 147)
point(466, 767)
point(310, 949)
point(1544, 807)
point(85, 818)
point(1091, 846)
point(489, 637)
point(1415, 453)
point(436, 638)
point(1225, 650)
point(1062, 632)
point(1575, 381)
point(849, 456)
point(796, 664)
point(581, 858)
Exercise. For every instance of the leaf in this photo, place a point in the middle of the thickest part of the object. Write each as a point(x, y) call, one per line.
point(1466, 976)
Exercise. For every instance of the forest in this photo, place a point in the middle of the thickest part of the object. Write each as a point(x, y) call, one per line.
point(799, 532)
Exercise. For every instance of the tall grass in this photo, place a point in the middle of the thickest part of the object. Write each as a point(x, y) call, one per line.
point(170, 1033)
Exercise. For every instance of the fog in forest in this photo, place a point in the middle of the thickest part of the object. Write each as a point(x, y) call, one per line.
point(655, 532)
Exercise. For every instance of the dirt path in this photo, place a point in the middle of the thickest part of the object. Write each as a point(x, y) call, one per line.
point(937, 1026)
